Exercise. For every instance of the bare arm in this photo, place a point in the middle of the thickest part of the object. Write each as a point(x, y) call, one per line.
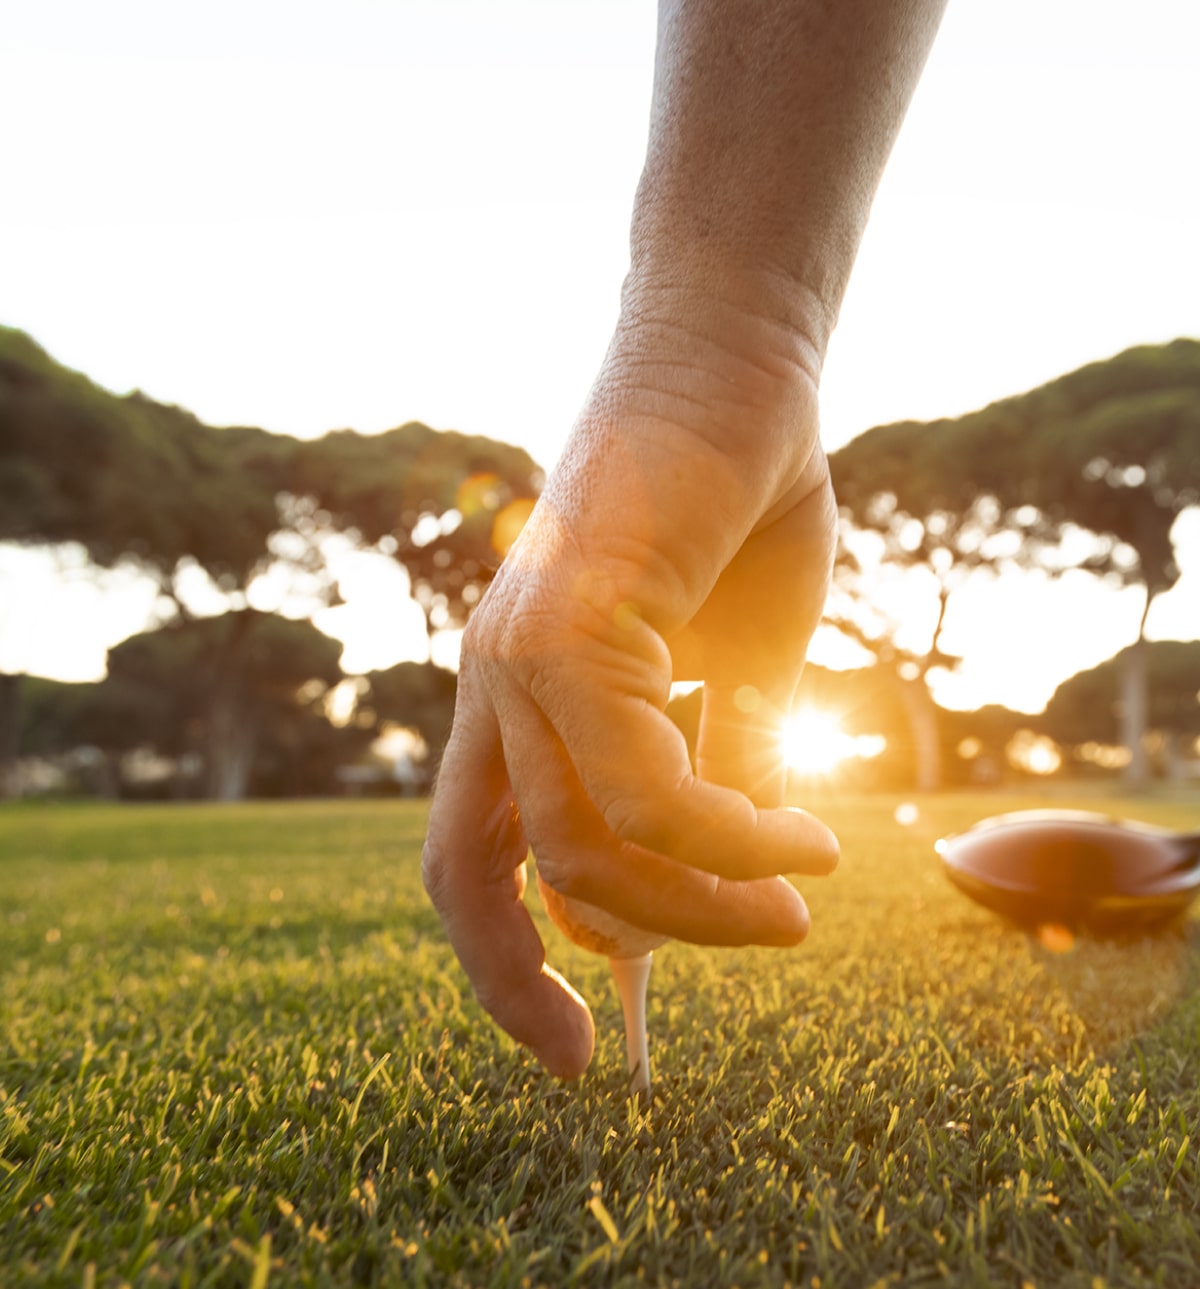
point(687, 531)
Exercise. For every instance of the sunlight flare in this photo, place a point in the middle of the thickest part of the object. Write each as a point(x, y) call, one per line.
point(814, 742)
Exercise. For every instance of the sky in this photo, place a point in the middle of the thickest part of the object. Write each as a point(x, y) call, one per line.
point(307, 215)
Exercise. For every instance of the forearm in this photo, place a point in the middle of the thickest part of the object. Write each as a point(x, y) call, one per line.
point(771, 124)
point(688, 529)
point(772, 121)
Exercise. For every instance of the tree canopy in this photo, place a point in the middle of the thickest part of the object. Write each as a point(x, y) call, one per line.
point(216, 685)
point(126, 477)
point(419, 696)
point(1109, 450)
point(1086, 707)
point(130, 478)
point(240, 696)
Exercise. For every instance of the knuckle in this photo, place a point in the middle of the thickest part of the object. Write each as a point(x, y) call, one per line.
point(523, 640)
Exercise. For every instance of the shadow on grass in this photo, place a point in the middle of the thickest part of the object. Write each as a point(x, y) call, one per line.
point(1122, 990)
point(1043, 997)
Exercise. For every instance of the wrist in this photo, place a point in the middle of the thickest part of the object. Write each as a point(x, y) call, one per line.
point(731, 312)
point(731, 357)
point(722, 333)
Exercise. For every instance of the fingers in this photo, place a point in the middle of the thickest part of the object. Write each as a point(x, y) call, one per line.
point(602, 688)
point(579, 855)
point(474, 870)
point(559, 709)
point(633, 764)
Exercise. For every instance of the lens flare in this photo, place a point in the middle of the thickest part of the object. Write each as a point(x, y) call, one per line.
point(814, 743)
point(478, 492)
point(1055, 937)
point(508, 524)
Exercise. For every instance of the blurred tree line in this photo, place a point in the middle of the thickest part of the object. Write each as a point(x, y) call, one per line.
point(1088, 472)
point(241, 701)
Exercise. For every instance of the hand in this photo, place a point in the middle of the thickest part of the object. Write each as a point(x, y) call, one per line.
point(687, 533)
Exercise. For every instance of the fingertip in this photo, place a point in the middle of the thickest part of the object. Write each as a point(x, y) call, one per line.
point(792, 918)
point(827, 848)
point(811, 846)
point(565, 1045)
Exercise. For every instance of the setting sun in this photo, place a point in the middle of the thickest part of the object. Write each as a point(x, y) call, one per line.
point(814, 743)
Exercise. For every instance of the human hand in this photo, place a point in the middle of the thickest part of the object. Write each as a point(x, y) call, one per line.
point(687, 533)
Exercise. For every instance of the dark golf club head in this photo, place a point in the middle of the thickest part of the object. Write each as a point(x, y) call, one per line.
point(1084, 871)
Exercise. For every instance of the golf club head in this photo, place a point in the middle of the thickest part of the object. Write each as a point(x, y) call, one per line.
point(1084, 871)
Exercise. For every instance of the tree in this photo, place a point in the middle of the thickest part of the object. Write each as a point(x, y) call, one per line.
point(127, 478)
point(299, 751)
point(904, 514)
point(420, 697)
point(1108, 450)
point(936, 554)
point(10, 716)
point(1086, 709)
point(109, 717)
point(158, 698)
point(446, 506)
point(137, 481)
point(1126, 473)
point(133, 479)
point(225, 688)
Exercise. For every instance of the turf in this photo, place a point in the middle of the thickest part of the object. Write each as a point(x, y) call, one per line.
point(235, 1050)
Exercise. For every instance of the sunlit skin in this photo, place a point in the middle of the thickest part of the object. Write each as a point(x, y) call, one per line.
point(809, 741)
point(630, 956)
point(688, 530)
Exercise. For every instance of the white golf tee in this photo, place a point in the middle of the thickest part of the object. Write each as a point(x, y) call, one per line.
point(632, 976)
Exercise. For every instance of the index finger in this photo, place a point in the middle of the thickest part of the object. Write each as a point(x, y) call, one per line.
point(473, 866)
point(578, 854)
point(633, 765)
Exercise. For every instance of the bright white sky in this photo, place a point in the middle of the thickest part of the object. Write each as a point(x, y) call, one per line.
point(306, 215)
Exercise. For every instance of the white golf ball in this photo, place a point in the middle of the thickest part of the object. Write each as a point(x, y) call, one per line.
point(592, 928)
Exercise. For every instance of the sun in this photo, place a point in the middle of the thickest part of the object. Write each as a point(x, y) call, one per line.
point(814, 743)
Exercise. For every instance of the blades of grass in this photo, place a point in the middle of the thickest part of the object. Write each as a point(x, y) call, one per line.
point(65, 1256)
point(262, 1264)
point(366, 1083)
point(601, 1214)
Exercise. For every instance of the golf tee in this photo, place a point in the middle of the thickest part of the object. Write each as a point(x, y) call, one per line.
point(632, 976)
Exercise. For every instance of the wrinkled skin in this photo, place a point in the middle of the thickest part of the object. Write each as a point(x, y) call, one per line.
point(688, 530)
point(652, 556)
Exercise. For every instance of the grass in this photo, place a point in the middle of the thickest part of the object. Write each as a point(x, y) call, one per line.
point(235, 1050)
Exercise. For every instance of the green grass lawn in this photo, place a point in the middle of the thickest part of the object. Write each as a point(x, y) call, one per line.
point(235, 1050)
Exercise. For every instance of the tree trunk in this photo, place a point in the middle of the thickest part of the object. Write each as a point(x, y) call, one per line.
point(1135, 705)
point(230, 749)
point(926, 750)
point(10, 712)
point(229, 738)
point(1174, 757)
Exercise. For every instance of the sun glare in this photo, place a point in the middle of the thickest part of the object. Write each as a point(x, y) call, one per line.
point(814, 743)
